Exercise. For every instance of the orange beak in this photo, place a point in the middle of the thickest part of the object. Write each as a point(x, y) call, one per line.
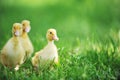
point(17, 33)
point(55, 38)
point(27, 30)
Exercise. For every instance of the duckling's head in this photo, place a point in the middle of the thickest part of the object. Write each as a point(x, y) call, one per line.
point(17, 29)
point(26, 26)
point(52, 35)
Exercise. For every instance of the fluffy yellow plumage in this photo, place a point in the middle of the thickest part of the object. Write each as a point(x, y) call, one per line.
point(12, 54)
point(27, 45)
point(49, 53)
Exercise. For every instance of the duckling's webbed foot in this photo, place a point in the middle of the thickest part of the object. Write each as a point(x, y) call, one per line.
point(17, 67)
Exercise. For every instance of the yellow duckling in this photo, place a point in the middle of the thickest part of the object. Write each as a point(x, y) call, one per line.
point(27, 45)
point(12, 54)
point(49, 53)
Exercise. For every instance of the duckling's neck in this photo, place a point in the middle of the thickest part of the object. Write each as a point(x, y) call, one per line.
point(24, 35)
point(15, 41)
point(15, 38)
point(50, 42)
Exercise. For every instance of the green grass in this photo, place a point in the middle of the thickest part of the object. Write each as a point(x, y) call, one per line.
point(89, 45)
point(90, 59)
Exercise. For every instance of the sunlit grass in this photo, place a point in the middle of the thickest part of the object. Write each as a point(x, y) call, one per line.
point(89, 58)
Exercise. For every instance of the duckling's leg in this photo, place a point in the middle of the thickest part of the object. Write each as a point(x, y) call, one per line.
point(56, 60)
point(25, 57)
point(28, 54)
point(17, 67)
point(22, 58)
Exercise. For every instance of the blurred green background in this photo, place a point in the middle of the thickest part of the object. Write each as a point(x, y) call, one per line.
point(78, 17)
point(73, 19)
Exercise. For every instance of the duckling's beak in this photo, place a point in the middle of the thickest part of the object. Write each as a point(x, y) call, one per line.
point(17, 33)
point(27, 29)
point(55, 38)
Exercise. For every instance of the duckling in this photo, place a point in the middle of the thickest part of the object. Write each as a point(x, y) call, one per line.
point(49, 52)
point(27, 45)
point(12, 54)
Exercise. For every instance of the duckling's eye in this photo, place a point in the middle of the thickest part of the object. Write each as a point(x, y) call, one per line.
point(23, 24)
point(14, 27)
point(50, 32)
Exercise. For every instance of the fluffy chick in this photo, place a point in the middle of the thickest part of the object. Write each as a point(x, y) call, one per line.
point(12, 54)
point(26, 42)
point(49, 53)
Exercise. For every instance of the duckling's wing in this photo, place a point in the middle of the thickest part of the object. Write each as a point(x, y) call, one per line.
point(37, 55)
point(35, 59)
point(39, 52)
